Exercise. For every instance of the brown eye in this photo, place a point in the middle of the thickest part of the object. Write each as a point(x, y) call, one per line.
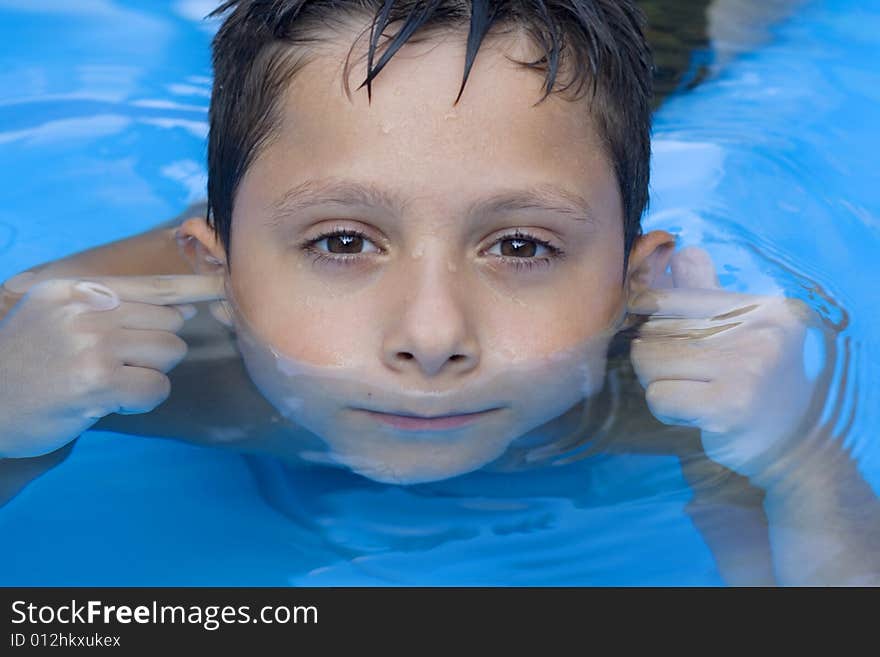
point(342, 243)
point(518, 248)
point(345, 244)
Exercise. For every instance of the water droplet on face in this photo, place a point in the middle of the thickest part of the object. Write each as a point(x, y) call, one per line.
point(450, 115)
point(385, 127)
point(418, 252)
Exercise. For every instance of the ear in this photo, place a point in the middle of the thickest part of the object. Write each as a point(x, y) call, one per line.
point(648, 261)
point(200, 246)
point(205, 253)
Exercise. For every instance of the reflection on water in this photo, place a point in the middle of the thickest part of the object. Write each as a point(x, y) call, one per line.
point(784, 198)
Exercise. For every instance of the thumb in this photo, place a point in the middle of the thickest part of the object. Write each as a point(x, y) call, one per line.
point(692, 267)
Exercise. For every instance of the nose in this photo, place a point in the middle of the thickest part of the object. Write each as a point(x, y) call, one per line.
point(432, 332)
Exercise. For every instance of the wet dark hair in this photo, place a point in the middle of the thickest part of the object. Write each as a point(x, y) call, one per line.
point(263, 43)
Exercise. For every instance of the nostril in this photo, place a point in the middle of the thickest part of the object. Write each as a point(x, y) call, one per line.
point(456, 357)
point(405, 355)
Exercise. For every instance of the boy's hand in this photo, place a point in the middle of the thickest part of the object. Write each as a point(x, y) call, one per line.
point(73, 351)
point(730, 364)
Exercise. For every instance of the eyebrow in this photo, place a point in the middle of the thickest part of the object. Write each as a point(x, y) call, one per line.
point(331, 191)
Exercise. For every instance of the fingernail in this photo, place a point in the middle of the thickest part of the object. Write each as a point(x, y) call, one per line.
point(188, 311)
point(98, 295)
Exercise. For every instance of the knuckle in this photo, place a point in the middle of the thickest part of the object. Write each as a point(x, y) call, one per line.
point(91, 373)
point(162, 286)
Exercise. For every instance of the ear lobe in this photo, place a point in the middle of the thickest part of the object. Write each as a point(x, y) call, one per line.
point(200, 246)
point(648, 262)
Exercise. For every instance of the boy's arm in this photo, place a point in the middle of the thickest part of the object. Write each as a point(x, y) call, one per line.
point(151, 252)
point(824, 519)
point(733, 365)
point(212, 398)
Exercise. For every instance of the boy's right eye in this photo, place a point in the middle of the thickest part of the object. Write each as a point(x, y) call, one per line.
point(342, 242)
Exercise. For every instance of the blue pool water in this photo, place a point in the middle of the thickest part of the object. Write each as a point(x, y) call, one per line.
point(770, 166)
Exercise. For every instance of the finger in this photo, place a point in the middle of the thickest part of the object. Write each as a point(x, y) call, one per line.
point(692, 303)
point(684, 329)
point(187, 311)
point(148, 317)
point(165, 290)
point(158, 350)
point(680, 402)
point(88, 294)
point(138, 390)
point(655, 360)
point(692, 267)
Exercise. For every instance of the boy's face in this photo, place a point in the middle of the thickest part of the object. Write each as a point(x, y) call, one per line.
point(474, 263)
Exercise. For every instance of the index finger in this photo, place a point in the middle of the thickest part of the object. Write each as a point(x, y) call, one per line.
point(692, 303)
point(165, 289)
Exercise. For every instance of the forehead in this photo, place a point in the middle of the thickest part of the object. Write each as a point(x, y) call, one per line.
point(414, 141)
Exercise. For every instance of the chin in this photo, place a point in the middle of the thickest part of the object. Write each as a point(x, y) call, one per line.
point(420, 465)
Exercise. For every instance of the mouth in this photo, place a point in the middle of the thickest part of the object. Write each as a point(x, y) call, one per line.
point(412, 422)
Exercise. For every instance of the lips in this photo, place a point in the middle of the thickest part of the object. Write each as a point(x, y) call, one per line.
point(412, 422)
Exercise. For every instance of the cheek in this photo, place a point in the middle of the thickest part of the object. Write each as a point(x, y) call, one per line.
point(306, 328)
point(298, 318)
point(585, 309)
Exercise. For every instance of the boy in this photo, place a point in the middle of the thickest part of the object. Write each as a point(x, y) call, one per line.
point(421, 289)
